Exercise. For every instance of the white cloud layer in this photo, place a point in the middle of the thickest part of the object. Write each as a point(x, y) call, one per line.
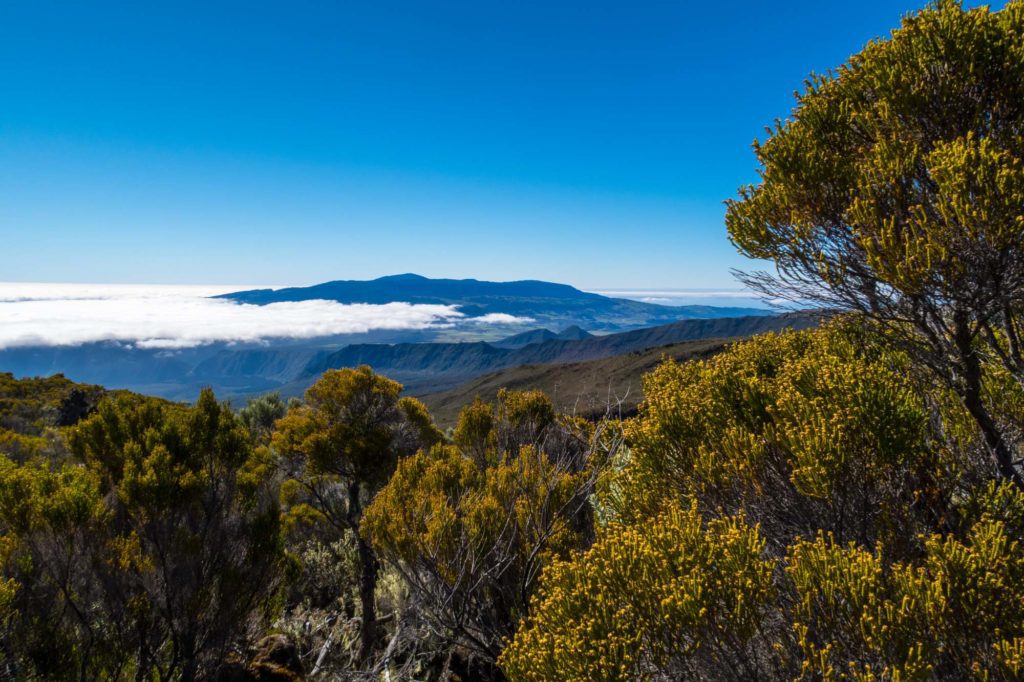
point(184, 316)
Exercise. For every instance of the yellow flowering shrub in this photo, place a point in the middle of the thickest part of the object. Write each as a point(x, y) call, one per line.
point(473, 539)
point(915, 569)
point(470, 525)
point(801, 430)
point(672, 597)
point(958, 613)
point(680, 597)
point(894, 189)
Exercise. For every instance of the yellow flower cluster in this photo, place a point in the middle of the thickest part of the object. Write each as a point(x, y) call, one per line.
point(674, 591)
point(820, 420)
point(858, 618)
point(822, 434)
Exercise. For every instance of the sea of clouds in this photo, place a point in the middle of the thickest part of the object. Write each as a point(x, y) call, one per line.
point(173, 316)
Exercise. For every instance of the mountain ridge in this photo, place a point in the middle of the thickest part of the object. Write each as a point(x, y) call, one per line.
point(448, 364)
point(588, 388)
point(573, 333)
point(422, 366)
point(547, 303)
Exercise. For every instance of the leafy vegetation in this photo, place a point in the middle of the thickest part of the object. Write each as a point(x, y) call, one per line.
point(802, 504)
point(32, 409)
point(149, 553)
point(469, 526)
point(842, 503)
point(673, 596)
point(339, 448)
point(895, 190)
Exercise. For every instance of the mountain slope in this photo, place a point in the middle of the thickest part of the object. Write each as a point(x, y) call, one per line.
point(269, 363)
point(557, 305)
point(584, 388)
point(573, 333)
point(525, 338)
point(429, 367)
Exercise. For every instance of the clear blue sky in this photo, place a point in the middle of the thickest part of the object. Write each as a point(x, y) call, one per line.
point(587, 142)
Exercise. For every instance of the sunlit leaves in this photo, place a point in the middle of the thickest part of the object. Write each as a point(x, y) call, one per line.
point(672, 593)
point(470, 525)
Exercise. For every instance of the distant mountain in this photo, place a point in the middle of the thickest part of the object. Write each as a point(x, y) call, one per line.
point(573, 333)
point(555, 305)
point(426, 367)
point(586, 388)
point(525, 338)
point(179, 374)
point(423, 359)
point(237, 372)
point(274, 364)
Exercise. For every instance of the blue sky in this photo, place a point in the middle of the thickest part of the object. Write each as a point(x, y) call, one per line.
point(290, 143)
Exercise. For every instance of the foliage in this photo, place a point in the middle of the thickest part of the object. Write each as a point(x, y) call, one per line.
point(469, 526)
point(896, 189)
point(260, 414)
point(475, 533)
point(801, 431)
point(353, 426)
point(673, 597)
point(338, 448)
point(151, 555)
point(955, 614)
point(824, 434)
point(32, 410)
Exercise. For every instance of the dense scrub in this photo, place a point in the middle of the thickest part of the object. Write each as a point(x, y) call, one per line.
point(32, 409)
point(803, 505)
point(845, 503)
point(149, 551)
